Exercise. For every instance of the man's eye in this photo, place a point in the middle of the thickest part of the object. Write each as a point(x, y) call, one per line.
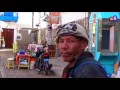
point(60, 41)
point(71, 41)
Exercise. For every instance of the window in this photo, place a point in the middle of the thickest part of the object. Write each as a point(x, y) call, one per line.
point(108, 36)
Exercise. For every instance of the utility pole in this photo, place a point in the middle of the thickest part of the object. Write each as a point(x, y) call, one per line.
point(89, 13)
point(39, 17)
point(34, 34)
point(32, 19)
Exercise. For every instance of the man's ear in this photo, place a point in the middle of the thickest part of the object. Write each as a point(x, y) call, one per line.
point(83, 44)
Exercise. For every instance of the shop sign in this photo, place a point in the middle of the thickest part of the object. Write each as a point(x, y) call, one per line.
point(94, 18)
point(54, 18)
point(94, 23)
point(94, 28)
point(54, 26)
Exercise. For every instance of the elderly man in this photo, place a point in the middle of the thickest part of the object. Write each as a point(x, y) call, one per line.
point(72, 40)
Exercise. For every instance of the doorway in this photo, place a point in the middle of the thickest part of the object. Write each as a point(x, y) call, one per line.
point(8, 35)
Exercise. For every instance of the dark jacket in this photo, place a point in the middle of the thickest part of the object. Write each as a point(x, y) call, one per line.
point(86, 70)
point(39, 52)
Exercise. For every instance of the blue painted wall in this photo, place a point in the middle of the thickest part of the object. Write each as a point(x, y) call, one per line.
point(100, 15)
point(9, 16)
point(107, 61)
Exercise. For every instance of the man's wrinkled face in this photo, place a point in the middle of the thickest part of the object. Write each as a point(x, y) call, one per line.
point(70, 47)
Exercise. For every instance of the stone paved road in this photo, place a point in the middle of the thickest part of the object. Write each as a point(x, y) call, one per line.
point(55, 72)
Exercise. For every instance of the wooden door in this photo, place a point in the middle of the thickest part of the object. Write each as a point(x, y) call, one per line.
point(8, 36)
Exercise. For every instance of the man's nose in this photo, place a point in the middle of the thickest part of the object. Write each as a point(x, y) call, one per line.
point(64, 45)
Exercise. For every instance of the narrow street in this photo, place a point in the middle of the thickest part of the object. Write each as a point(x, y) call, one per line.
point(55, 72)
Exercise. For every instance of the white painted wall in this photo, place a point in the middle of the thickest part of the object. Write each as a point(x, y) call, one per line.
point(26, 18)
point(72, 16)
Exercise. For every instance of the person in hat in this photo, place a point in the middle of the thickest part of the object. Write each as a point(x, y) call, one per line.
point(72, 40)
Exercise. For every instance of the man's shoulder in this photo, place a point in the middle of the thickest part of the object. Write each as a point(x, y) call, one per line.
point(88, 62)
point(89, 68)
point(85, 57)
point(87, 53)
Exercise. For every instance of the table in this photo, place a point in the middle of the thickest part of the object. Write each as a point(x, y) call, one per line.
point(20, 57)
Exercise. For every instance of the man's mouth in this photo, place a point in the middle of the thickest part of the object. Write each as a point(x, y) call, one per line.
point(65, 54)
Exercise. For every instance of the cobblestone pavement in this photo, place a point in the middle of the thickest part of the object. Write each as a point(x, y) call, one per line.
point(55, 72)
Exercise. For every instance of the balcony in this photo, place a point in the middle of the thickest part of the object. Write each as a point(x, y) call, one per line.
point(9, 16)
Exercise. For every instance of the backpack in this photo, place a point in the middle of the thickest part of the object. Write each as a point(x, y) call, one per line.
point(89, 62)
